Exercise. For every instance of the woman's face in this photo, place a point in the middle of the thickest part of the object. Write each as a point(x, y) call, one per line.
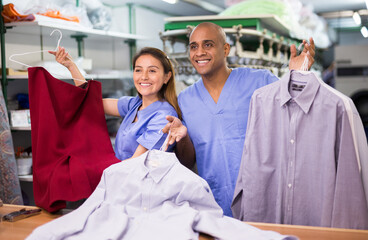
point(149, 76)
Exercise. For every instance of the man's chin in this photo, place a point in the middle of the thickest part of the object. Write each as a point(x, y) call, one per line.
point(201, 70)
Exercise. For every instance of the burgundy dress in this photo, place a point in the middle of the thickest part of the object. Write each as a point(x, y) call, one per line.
point(70, 143)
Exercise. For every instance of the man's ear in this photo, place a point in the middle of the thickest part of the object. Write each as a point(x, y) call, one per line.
point(226, 49)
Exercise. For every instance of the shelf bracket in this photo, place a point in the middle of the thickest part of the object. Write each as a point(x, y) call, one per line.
point(132, 50)
point(4, 80)
point(79, 38)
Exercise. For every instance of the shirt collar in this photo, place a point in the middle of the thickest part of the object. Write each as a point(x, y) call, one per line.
point(165, 161)
point(306, 97)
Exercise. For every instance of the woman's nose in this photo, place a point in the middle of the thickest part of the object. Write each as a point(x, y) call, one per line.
point(144, 75)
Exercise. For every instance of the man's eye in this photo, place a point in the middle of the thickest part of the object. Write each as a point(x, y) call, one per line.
point(208, 45)
point(192, 47)
point(137, 70)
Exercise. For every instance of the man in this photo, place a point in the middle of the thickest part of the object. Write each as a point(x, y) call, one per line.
point(215, 110)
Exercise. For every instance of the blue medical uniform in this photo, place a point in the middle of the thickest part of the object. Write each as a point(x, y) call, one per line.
point(218, 130)
point(145, 131)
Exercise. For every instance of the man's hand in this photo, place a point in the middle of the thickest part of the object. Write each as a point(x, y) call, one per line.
point(296, 61)
point(177, 130)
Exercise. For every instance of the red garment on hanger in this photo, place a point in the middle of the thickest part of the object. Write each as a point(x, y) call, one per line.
point(70, 143)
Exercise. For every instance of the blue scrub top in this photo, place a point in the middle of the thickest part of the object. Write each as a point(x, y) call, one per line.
point(218, 130)
point(145, 131)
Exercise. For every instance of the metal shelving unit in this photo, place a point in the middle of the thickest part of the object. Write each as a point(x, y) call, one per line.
point(257, 41)
point(42, 26)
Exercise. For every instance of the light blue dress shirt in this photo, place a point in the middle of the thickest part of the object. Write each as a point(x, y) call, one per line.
point(299, 164)
point(153, 197)
point(146, 130)
point(218, 130)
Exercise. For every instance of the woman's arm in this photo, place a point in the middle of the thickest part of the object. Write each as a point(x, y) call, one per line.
point(184, 147)
point(139, 151)
point(110, 105)
point(63, 57)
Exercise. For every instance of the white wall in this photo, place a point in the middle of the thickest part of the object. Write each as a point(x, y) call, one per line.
point(149, 23)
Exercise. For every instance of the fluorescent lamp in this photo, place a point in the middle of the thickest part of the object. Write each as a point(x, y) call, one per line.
point(357, 18)
point(364, 32)
point(366, 3)
point(171, 1)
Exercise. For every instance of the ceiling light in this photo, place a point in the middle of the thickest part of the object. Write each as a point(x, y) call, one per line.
point(356, 18)
point(366, 3)
point(364, 31)
point(171, 1)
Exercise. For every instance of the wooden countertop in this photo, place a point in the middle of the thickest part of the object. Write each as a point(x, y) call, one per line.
point(21, 229)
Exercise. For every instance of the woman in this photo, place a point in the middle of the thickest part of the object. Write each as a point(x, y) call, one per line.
point(144, 115)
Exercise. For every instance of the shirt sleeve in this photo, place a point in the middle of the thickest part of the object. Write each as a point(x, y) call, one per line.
point(269, 77)
point(153, 137)
point(349, 206)
point(125, 104)
point(238, 201)
point(61, 228)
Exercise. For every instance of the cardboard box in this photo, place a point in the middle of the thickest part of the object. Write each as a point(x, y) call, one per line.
point(20, 118)
point(12, 72)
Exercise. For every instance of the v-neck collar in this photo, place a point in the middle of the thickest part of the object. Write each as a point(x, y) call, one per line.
point(147, 109)
point(206, 97)
point(143, 112)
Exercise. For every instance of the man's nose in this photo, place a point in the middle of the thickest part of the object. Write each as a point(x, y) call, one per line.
point(200, 51)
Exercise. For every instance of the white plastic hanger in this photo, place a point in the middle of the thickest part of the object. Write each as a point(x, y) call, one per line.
point(304, 68)
point(22, 54)
point(165, 145)
point(28, 66)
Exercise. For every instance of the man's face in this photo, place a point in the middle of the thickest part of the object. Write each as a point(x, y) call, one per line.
point(207, 50)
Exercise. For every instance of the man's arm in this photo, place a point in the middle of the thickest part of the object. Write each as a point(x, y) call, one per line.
point(296, 61)
point(184, 147)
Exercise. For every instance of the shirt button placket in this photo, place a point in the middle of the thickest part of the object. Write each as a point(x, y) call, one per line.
point(290, 172)
point(146, 194)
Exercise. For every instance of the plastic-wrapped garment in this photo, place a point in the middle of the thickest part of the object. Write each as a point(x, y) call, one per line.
point(100, 18)
point(98, 14)
point(64, 10)
point(261, 7)
point(70, 143)
point(9, 183)
point(153, 197)
point(10, 14)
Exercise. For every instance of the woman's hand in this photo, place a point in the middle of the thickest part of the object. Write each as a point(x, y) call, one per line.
point(63, 57)
point(177, 130)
